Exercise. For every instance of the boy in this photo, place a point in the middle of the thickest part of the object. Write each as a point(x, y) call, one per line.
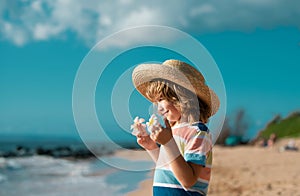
point(184, 154)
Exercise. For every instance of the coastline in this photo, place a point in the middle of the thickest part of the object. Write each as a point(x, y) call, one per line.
point(245, 170)
point(145, 186)
point(145, 189)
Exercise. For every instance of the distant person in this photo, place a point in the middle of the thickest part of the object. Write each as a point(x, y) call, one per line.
point(262, 142)
point(272, 139)
point(291, 145)
point(184, 156)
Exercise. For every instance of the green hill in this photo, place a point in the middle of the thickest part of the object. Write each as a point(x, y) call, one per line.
point(286, 127)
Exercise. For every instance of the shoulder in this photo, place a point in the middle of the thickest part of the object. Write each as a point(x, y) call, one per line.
point(200, 126)
point(190, 131)
point(197, 128)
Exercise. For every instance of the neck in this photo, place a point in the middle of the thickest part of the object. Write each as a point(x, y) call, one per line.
point(181, 120)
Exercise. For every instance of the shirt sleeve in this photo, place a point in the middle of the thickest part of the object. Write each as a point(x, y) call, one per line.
point(198, 147)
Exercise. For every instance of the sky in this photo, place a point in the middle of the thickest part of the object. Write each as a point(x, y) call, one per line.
point(255, 43)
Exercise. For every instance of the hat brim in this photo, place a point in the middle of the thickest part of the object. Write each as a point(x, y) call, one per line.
point(145, 73)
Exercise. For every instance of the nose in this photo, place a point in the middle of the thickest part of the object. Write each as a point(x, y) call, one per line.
point(160, 108)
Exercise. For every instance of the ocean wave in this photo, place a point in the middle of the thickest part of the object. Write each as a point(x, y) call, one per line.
point(13, 165)
point(64, 177)
point(2, 162)
point(2, 178)
point(10, 164)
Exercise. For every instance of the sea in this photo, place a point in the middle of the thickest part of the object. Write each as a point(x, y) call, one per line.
point(42, 175)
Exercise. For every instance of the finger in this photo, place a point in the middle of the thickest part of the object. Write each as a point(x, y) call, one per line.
point(153, 133)
point(139, 140)
point(167, 123)
point(153, 136)
point(156, 131)
point(139, 135)
point(159, 129)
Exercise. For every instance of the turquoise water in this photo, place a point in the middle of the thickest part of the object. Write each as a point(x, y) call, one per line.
point(43, 175)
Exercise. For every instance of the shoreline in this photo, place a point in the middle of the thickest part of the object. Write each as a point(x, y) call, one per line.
point(145, 189)
point(145, 186)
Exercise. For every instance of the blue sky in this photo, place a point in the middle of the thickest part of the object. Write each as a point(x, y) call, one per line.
point(256, 45)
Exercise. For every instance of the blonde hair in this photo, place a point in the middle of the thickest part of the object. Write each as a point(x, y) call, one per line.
point(191, 107)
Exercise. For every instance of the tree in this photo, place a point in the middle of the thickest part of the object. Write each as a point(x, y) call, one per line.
point(240, 124)
point(225, 132)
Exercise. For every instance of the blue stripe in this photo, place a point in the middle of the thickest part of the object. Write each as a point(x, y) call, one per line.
point(166, 191)
point(201, 126)
point(200, 186)
point(195, 158)
point(165, 176)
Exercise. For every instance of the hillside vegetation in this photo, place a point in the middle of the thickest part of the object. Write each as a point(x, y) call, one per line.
point(283, 127)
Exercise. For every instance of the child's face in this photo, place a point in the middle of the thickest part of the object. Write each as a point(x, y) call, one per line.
point(168, 110)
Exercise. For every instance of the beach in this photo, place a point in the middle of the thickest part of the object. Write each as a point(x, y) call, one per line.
point(245, 170)
point(241, 170)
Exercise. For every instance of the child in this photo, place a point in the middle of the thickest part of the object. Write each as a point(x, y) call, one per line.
point(184, 154)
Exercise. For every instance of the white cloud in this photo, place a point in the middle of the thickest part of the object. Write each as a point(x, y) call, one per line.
point(138, 36)
point(141, 16)
point(105, 20)
point(37, 6)
point(201, 10)
point(92, 20)
point(44, 31)
point(14, 33)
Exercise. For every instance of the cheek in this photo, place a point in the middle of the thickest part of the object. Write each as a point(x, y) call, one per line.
point(175, 113)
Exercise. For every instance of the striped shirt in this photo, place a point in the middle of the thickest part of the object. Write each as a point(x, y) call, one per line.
point(195, 145)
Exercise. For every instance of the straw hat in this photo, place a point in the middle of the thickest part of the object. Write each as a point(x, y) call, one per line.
point(179, 73)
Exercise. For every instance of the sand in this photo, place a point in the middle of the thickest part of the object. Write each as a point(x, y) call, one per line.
point(245, 170)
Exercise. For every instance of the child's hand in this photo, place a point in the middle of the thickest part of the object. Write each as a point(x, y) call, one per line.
point(146, 142)
point(143, 138)
point(162, 135)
